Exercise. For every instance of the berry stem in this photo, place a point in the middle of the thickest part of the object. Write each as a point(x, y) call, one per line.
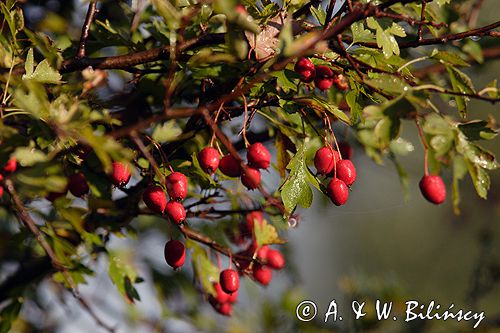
point(426, 146)
point(245, 120)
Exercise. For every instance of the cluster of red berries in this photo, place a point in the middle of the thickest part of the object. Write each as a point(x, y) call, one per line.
point(328, 162)
point(322, 76)
point(226, 289)
point(8, 168)
point(156, 200)
point(258, 158)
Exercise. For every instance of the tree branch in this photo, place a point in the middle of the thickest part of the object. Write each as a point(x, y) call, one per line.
point(91, 12)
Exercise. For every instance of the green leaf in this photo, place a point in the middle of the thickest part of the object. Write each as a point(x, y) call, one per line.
point(9, 314)
point(460, 83)
point(43, 72)
point(477, 130)
point(475, 154)
point(404, 179)
point(166, 132)
point(401, 147)
point(321, 105)
point(480, 179)
point(353, 99)
point(170, 14)
point(296, 190)
point(450, 58)
point(205, 270)
point(441, 144)
point(285, 79)
point(389, 83)
point(442, 2)
point(459, 171)
point(123, 275)
point(473, 49)
point(319, 14)
point(360, 34)
point(29, 156)
point(266, 233)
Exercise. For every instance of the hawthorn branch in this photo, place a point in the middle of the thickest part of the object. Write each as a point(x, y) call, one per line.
point(91, 12)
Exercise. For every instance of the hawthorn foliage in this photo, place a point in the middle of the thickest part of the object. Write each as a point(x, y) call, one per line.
point(96, 118)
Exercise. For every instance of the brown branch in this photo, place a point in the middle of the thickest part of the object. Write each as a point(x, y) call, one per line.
point(138, 58)
point(474, 13)
point(422, 16)
point(91, 12)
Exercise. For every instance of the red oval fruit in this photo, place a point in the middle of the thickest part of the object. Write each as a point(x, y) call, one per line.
point(233, 298)
point(258, 156)
point(324, 159)
point(10, 166)
point(275, 259)
point(154, 197)
point(121, 174)
point(262, 253)
point(209, 159)
point(1, 191)
point(77, 185)
point(251, 217)
point(177, 186)
point(230, 166)
point(324, 77)
point(346, 172)
point(262, 274)
point(338, 191)
point(433, 189)
point(340, 82)
point(221, 295)
point(175, 253)
point(345, 150)
point(229, 280)
point(175, 212)
point(306, 69)
point(225, 309)
point(250, 178)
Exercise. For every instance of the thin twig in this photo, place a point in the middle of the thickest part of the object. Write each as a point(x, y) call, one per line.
point(91, 12)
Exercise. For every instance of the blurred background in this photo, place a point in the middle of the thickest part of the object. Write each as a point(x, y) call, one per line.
point(380, 245)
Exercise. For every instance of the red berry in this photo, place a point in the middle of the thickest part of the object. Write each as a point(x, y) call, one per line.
point(10, 166)
point(306, 69)
point(154, 197)
point(262, 274)
point(229, 280)
point(340, 82)
point(324, 159)
point(175, 212)
point(121, 174)
point(433, 189)
point(258, 156)
point(221, 295)
point(250, 178)
point(233, 298)
point(251, 217)
point(175, 253)
point(345, 150)
point(262, 253)
point(77, 185)
point(1, 177)
point(324, 77)
point(275, 259)
point(230, 166)
point(1, 191)
point(338, 191)
point(209, 159)
point(225, 309)
point(346, 172)
point(177, 186)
